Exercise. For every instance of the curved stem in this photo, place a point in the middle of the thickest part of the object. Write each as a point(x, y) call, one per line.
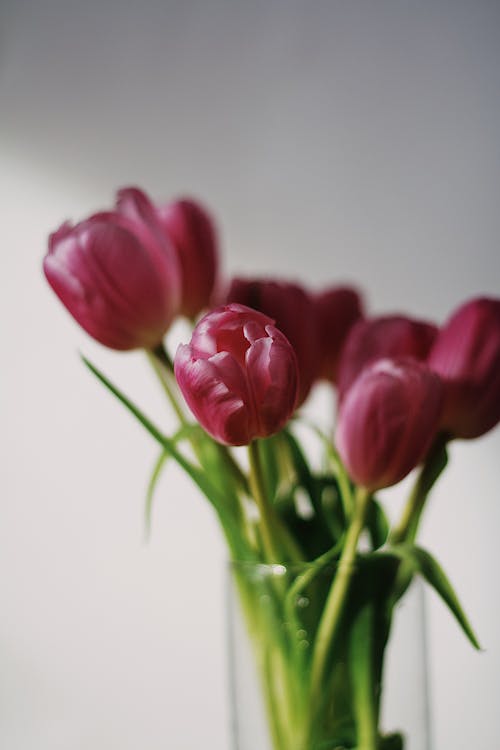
point(334, 606)
point(307, 577)
point(406, 529)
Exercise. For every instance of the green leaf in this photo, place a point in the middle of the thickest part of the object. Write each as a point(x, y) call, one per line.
point(301, 467)
point(168, 444)
point(345, 485)
point(182, 433)
point(323, 492)
point(148, 507)
point(425, 564)
point(377, 524)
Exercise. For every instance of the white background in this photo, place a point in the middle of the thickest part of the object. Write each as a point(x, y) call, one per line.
point(333, 140)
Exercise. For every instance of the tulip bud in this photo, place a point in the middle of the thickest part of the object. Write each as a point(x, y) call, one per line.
point(466, 354)
point(193, 234)
point(337, 309)
point(293, 310)
point(388, 420)
point(238, 375)
point(123, 291)
point(375, 338)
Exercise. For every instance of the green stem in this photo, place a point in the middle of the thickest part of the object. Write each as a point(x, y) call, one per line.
point(364, 684)
point(305, 578)
point(163, 368)
point(334, 606)
point(234, 468)
point(279, 545)
point(406, 529)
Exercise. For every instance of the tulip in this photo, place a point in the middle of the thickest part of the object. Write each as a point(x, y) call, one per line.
point(466, 354)
point(122, 288)
point(387, 421)
point(375, 338)
point(193, 234)
point(337, 309)
point(190, 230)
point(238, 375)
point(292, 308)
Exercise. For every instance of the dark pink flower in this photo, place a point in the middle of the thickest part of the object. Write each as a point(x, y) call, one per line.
point(192, 232)
point(122, 288)
point(292, 308)
point(337, 309)
point(388, 336)
point(188, 228)
point(466, 354)
point(387, 421)
point(238, 375)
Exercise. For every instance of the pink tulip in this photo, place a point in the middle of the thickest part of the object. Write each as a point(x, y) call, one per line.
point(193, 234)
point(388, 420)
point(466, 354)
point(122, 288)
point(292, 308)
point(375, 338)
point(238, 375)
point(337, 309)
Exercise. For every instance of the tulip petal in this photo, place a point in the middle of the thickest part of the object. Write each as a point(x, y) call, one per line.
point(466, 354)
point(375, 338)
point(291, 307)
point(193, 234)
point(387, 421)
point(221, 411)
point(238, 375)
point(272, 376)
point(106, 279)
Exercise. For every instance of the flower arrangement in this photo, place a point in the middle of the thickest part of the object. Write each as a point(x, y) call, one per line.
point(405, 388)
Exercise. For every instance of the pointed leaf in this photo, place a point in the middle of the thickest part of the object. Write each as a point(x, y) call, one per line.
point(196, 475)
point(322, 491)
point(148, 507)
point(425, 564)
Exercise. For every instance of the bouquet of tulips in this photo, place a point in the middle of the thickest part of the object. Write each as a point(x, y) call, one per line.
point(404, 389)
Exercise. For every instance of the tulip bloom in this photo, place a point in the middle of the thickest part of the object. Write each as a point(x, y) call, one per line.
point(337, 309)
point(375, 338)
point(238, 375)
point(293, 310)
point(122, 288)
point(190, 230)
point(466, 354)
point(388, 420)
point(193, 235)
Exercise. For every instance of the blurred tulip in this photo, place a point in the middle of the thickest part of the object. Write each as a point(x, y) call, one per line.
point(193, 234)
point(337, 309)
point(466, 354)
point(292, 309)
point(238, 375)
point(189, 228)
point(388, 420)
point(121, 288)
point(375, 338)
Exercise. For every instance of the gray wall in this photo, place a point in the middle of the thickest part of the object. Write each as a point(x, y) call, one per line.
point(340, 140)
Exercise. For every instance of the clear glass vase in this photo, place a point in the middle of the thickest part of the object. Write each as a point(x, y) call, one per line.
point(377, 665)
